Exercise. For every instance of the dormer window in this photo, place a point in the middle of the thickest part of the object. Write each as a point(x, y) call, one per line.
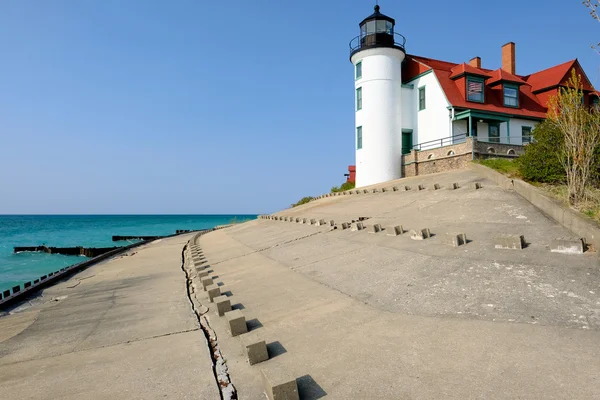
point(475, 87)
point(511, 95)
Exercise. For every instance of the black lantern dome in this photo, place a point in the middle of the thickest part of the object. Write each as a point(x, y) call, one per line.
point(377, 30)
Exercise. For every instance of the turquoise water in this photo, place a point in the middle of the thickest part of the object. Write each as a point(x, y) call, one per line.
point(81, 230)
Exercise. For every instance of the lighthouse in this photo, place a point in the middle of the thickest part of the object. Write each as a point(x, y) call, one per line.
point(377, 55)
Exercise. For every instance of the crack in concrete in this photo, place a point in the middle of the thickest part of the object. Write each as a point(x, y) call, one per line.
point(226, 389)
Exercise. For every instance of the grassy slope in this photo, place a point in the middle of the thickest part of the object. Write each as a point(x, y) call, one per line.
point(510, 168)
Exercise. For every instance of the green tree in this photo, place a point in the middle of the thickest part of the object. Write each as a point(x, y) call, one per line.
point(541, 163)
point(580, 129)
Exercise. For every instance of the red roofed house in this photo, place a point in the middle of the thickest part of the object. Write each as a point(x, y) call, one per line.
point(441, 106)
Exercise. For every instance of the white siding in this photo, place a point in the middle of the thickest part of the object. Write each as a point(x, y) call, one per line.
point(409, 108)
point(434, 121)
point(516, 131)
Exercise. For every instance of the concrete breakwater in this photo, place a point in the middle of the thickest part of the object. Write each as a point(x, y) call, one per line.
point(68, 251)
point(121, 238)
point(20, 292)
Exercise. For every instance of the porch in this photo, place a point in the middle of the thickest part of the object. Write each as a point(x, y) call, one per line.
point(492, 128)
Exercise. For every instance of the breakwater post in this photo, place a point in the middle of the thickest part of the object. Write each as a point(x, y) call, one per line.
point(68, 251)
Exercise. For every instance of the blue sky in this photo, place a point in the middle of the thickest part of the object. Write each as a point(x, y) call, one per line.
point(123, 106)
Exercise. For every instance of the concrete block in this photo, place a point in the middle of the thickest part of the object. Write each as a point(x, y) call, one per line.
point(383, 190)
point(298, 220)
point(255, 349)
point(237, 322)
point(331, 223)
point(203, 273)
point(213, 291)
point(6, 293)
point(313, 221)
point(506, 241)
point(420, 234)
point(407, 188)
point(395, 188)
point(51, 274)
point(279, 385)
point(456, 239)
point(344, 193)
point(421, 187)
point(436, 186)
point(206, 281)
point(16, 289)
point(568, 246)
point(26, 285)
point(394, 230)
point(454, 186)
point(374, 190)
point(375, 228)
point(344, 225)
point(365, 191)
point(43, 277)
point(476, 185)
point(305, 221)
point(357, 226)
point(321, 222)
point(36, 281)
point(223, 305)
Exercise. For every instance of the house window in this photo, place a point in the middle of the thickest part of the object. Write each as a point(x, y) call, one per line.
point(359, 99)
point(595, 101)
point(511, 95)
point(526, 134)
point(475, 89)
point(422, 98)
point(494, 133)
point(359, 70)
point(359, 138)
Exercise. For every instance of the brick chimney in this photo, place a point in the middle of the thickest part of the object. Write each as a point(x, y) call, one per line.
point(475, 62)
point(508, 57)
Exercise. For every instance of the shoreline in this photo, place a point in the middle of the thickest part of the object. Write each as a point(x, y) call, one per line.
point(28, 290)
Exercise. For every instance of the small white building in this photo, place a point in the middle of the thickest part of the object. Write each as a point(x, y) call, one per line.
point(405, 102)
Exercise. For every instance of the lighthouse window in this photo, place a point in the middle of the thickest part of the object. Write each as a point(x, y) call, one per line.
point(370, 27)
point(358, 99)
point(359, 138)
point(422, 98)
point(359, 70)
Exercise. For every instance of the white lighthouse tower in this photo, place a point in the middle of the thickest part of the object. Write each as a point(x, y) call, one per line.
point(377, 55)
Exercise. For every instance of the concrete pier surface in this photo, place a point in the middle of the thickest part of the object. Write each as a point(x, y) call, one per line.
point(122, 329)
point(358, 315)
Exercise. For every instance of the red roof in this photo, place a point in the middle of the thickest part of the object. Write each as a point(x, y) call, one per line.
point(501, 75)
point(452, 80)
point(465, 68)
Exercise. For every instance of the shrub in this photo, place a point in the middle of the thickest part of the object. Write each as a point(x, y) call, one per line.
point(540, 163)
point(303, 200)
point(344, 187)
